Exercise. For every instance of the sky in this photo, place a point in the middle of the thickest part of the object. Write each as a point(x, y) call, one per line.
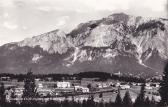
point(21, 19)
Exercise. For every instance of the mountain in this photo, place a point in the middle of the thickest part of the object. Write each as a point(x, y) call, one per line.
point(119, 42)
point(52, 42)
point(43, 53)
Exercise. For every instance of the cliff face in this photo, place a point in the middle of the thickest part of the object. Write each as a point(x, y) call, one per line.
point(52, 42)
point(117, 43)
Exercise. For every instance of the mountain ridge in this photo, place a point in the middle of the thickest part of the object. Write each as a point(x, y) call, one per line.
point(119, 42)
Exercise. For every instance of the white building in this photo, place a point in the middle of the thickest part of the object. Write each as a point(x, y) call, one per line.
point(44, 92)
point(125, 87)
point(19, 91)
point(81, 89)
point(5, 78)
point(102, 85)
point(40, 85)
point(85, 90)
point(148, 88)
point(37, 79)
point(157, 85)
point(63, 84)
point(117, 84)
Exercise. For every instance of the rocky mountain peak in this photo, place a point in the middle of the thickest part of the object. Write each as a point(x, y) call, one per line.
point(119, 42)
point(121, 17)
point(52, 42)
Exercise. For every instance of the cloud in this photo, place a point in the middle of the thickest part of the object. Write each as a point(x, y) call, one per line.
point(24, 28)
point(6, 15)
point(107, 5)
point(93, 6)
point(6, 3)
point(62, 21)
point(155, 5)
point(44, 8)
point(48, 8)
point(34, 17)
point(10, 25)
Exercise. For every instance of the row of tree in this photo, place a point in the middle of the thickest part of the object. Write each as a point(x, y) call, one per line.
point(102, 76)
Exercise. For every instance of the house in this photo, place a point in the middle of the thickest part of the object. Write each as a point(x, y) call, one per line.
point(99, 86)
point(125, 87)
point(5, 78)
point(117, 84)
point(81, 89)
point(8, 94)
point(139, 84)
point(85, 90)
point(44, 92)
point(148, 84)
point(19, 91)
point(63, 84)
point(118, 73)
point(134, 84)
point(155, 85)
point(148, 88)
point(37, 79)
point(40, 85)
point(103, 85)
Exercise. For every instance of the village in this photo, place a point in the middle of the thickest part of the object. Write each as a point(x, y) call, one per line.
point(79, 90)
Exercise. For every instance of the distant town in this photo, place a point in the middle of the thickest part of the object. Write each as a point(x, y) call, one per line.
point(77, 87)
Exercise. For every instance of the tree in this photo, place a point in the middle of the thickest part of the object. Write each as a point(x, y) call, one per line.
point(65, 103)
point(13, 96)
point(89, 86)
point(52, 103)
point(139, 102)
point(2, 95)
point(101, 95)
point(29, 86)
point(127, 101)
point(90, 101)
point(147, 102)
point(164, 87)
point(153, 102)
point(118, 100)
point(84, 103)
point(73, 103)
point(79, 104)
point(101, 103)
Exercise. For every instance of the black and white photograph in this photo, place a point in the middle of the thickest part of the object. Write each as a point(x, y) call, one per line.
point(83, 53)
